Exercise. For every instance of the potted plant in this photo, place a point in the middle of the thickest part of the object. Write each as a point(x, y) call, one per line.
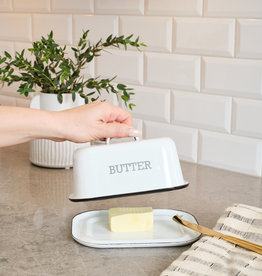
point(60, 79)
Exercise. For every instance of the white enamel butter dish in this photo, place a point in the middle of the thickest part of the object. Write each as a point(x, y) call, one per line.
point(126, 168)
point(91, 229)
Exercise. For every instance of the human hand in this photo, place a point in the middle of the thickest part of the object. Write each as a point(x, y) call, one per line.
point(97, 120)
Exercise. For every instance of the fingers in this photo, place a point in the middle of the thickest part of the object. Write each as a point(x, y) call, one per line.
point(118, 123)
point(119, 130)
point(112, 113)
point(94, 121)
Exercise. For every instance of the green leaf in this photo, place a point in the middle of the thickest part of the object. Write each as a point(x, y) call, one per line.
point(94, 99)
point(15, 78)
point(121, 86)
point(83, 46)
point(10, 72)
point(51, 34)
point(30, 90)
point(85, 34)
point(91, 93)
point(131, 106)
point(2, 60)
point(7, 54)
point(73, 97)
point(70, 81)
point(60, 98)
point(109, 38)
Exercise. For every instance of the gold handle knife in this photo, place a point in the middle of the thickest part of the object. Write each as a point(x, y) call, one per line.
point(209, 232)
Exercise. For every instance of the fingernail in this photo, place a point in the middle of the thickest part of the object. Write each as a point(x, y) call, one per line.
point(134, 132)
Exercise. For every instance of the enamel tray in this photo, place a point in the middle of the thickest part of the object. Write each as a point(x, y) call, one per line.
point(91, 229)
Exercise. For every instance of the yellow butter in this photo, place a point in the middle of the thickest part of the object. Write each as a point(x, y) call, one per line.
point(131, 219)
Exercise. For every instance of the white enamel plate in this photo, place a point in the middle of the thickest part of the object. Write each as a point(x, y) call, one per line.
point(91, 229)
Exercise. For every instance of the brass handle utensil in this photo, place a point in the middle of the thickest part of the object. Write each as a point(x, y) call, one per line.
point(209, 232)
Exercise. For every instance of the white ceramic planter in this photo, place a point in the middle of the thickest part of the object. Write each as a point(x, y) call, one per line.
point(47, 153)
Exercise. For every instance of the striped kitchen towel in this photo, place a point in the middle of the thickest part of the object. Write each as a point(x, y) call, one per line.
point(213, 256)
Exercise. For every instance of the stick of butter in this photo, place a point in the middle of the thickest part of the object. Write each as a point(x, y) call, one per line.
point(131, 219)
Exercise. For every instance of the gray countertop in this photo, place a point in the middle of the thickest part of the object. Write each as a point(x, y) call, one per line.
point(35, 218)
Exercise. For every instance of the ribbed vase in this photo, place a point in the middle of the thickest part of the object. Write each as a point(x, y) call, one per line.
point(47, 153)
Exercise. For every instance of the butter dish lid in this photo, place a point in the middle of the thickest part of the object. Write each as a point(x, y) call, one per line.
point(126, 168)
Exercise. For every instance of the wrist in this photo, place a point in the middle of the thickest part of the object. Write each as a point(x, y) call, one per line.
point(46, 125)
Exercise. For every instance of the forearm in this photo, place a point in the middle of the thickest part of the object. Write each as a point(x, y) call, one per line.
point(19, 125)
point(81, 124)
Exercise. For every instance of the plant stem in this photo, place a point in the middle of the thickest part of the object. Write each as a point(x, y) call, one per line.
point(41, 73)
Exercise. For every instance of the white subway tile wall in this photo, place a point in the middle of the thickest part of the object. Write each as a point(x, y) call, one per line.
point(198, 81)
point(206, 36)
point(127, 66)
point(15, 27)
point(60, 24)
point(185, 138)
point(249, 43)
point(231, 152)
point(174, 7)
point(6, 46)
point(247, 116)
point(156, 99)
point(31, 5)
point(99, 26)
point(202, 111)
point(69, 6)
point(172, 71)
point(119, 7)
point(232, 77)
point(6, 5)
point(159, 40)
point(233, 8)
